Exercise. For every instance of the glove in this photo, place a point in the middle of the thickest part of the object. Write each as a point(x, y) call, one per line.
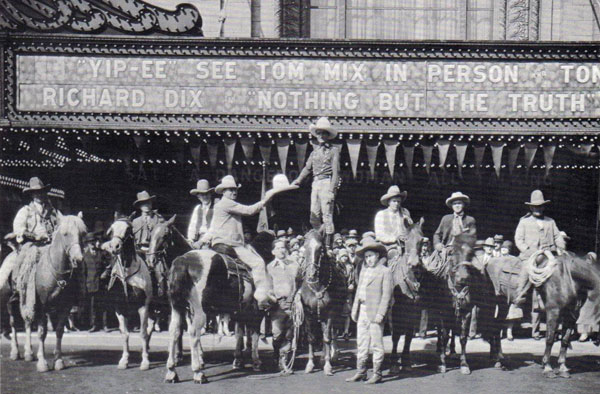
point(378, 319)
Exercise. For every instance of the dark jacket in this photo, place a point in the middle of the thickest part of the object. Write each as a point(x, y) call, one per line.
point(442, 234)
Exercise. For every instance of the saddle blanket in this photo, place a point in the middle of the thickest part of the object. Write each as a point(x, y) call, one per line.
point(508, 279)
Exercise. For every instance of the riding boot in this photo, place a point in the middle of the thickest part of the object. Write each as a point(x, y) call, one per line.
point(376, 378)
point(523, 287)
point(361, 372)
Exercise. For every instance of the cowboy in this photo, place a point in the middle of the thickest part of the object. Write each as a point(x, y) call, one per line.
point(202, 214)
point(371, 303)
point(324, 163)
point(454, 224)
point(391, 223)
point(284, 274)
point(226, 228)
point(143, 225)
point(498, 239)
point(34, 225)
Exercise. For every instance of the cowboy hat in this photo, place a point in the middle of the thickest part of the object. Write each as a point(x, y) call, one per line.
point(371, 244)
point(228, 182)
point(36, 185)
point(281, 233)
point(352, 234)
point(368, 234)
point(489, 242)
point(498, 238)
point(393, 191)
point(457, 196)
point(202, 187)
point(343, 252)
point(478, 244)
point(537, 199)
point(143, 196)
point(323, 124)
point(281, 184)
point(351, 241)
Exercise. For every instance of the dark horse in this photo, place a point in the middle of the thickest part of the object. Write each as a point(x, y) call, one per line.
point(572, 291)
point(323, 293)
point(207, 281)
point(407, 272)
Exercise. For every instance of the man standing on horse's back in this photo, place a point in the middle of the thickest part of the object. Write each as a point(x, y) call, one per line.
point(455, 224)
point(34, 224)
point(143, 225)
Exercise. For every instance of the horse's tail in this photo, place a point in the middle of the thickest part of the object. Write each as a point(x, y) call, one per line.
point(180, 283)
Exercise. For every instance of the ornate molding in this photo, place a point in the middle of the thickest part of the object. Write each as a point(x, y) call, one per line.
point(517, 20)
point(534, 20)
point(87, 16)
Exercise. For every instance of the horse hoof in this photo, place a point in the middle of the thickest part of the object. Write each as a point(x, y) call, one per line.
point(500, 366)
point(564, 374)
point(465, 370)
point(199, 378)
point(310, 366)
point(145, 365)
point(549, 374)
point(15, 356)
point(59, 365)
point(171, 377)
point(394, 369)
point(407, 367)
point(328, 370)
point(442, 369)
point(237, 364)
point(42, 367)
point(257, 366)
point(123, 365)
point(28, 357)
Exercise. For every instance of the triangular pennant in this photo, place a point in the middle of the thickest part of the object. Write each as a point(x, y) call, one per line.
point(229, 152)
point(461, 152)
point(443, 147)
point(248, 147)
point(497, 148)
point(513, 153)
point(213, 149)
point(427, 154)
point(479, 152)
point(265, 152)
point(372, 156)
point(354, 152)
point(390, 154)
point(530, 150)
point(283, 147)
point(548, 157)
point(409, 154)
point(587, 148)
point(139, 140)
point(301, 147)
point(195, 153)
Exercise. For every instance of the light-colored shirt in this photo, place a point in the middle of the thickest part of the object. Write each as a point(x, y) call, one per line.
point(226, 225)
point(35, 218)
point(283, 274)
point(389, 225)
point(199, 222)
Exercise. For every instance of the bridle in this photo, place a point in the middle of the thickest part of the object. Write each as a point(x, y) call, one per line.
point(62, 283)
point(316, 266)
point(460, 297)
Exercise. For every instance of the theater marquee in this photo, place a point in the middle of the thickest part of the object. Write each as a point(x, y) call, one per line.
point(308, 87)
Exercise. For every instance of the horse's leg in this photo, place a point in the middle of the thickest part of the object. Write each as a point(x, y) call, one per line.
point(443, 338)
point(174, 339)
point(464, 336)
point(28, 353)
point(310, 365)
point(179, 357)
point(14, 345)
point(406, 361)
point(145, 336)
point(396, 324)
point(195, 330)
point(42, 364)
point(551, 325)
point(567, 331)
point(59, 330)
point(254, 333)
point(238, 358)
point(327, 335)
point(124, 361)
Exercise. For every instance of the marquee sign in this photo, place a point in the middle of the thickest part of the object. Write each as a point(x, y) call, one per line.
point(388, 88)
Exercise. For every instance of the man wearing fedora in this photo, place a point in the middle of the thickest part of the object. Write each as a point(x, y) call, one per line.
point(324, 164)
point(34, 224)
point(226, 228)
point(456, 223)
point(535, 232)
point(391, 224)
point(371, 303)
point(202, 214)
point(143, 225)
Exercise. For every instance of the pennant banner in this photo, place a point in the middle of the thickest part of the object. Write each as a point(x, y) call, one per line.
point(497, 148)
point(213, 149)
point(301, 147)
point(248, 147)
point(443, 147)
point(479, 152)
point(372, 156)
point(354, 152)
point(195, 153)
point(461, 152)
point(427, 154)
point(409, 154)
point(548, 157)
point(283, 147)
point(139, 140)
point(265, 152)
point(390, 154)
point(530, 150)
point(513, 154)
point(229, 152)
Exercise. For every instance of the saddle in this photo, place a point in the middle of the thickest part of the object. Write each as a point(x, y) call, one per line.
point(438, 263)
point(508, 276)
point(235, 266)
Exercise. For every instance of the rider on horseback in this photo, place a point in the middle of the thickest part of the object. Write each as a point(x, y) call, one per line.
point(456, 223)
point(391, 223)
point(143, 225)
point(202, 215)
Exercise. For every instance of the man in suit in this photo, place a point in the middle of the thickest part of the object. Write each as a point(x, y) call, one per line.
point(143, 225)
point(456, 223)
point(371, 303)
point(202, 214)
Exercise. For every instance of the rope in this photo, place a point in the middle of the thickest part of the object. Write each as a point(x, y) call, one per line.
point(539, 276)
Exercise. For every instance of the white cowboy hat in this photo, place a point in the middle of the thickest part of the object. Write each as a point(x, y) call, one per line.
point(228, 182)
point(143, 196)
point(537, 198)
point(36, 185)
point(323, 124)
point(457, 196)
point(202, 187)
point(393, 191)
point(489, 242)
point(371, 244)
point(281, 184)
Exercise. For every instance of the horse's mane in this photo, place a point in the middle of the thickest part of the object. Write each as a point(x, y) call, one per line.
point(71, 221)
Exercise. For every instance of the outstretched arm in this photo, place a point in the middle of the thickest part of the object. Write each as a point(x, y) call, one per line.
point(305, 171)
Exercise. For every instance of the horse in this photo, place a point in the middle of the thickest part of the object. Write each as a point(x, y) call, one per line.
point(323, 294)
point(48, 285)
point(209, 280)
point(130, 287)
point(437, 292)
point(407, 272)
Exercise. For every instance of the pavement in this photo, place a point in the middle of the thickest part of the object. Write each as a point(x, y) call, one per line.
point(91, 361)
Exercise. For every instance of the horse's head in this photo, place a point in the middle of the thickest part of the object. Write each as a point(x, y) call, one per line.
point(70, 231)
point(159, 239)
point(313, 253)
point(119, 232)
point(463, 273)
point(413, 243)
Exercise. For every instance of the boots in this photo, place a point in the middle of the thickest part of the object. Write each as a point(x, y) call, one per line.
point(376, 378)
point(361, 373)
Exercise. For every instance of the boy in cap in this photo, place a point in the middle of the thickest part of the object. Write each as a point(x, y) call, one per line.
point(371, 303)
point(202, 214)
point(324, 163)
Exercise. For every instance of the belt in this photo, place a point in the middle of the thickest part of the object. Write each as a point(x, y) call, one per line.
point(322, 177)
